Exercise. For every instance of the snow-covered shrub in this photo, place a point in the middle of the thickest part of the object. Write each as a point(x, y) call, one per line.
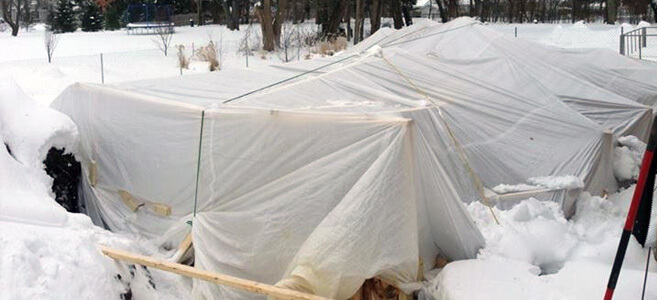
point(209, 53)
point(332, 46)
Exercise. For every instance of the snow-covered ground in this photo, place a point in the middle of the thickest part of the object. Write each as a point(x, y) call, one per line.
point(581, 35)
point(47, 253)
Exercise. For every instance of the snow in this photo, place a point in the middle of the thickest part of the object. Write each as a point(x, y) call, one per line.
point(48, 253)
point(535, 253)
point(545, 182)
point(578, 35)
point(627, 158)
point(125, 57)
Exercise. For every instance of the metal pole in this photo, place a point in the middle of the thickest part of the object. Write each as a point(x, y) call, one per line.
point(516, 31)
point(622, 42)
point(102, 69)
point(644, 36)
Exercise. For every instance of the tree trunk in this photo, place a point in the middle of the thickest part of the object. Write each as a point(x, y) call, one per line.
point(395, 7)
point(360, 15)
point(453, 8)
point(306, 10)
point(479, 9)
point(441, 10)
point(7, 6)
point(612, 12)
point(199, 12)
point(235, 15)
point(347, 18)
point(266, 25)
point(329, 16)
point(406, 11)
point(295, 11)
point(375, 16)
point(281, 16)
point(653, 5)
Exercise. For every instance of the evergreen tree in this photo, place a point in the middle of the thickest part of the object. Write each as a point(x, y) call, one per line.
point(91, 19)
point(112, 19)
point(64, 19)
point(50, 18)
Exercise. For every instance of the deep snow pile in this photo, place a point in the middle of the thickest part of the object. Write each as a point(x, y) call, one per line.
point(627, 158)
point(535, 253)
point(46, 252)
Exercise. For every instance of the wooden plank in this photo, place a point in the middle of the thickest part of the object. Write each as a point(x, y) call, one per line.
point(186, 243)
point(161, 209)
point(235, 282)
point(129, 201)
point(93, 173)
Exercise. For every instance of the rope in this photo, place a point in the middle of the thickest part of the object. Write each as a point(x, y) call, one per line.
point(388, 44)
point(198, 160)
point(464, 159)
point(290, 78)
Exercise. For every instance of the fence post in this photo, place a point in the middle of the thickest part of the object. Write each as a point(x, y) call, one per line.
point(622, 42)
point(644, 35)
point(102, 69)
point(516, 31)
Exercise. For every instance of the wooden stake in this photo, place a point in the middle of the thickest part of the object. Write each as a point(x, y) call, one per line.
point(235, 282)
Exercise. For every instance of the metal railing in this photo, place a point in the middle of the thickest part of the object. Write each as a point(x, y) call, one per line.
point(634, 42)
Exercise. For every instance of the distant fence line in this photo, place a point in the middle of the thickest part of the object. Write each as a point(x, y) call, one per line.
point(635, 43)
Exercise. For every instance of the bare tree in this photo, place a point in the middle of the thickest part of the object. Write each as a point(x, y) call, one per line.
point(50, 42)
point(12, 12)
point(246, 45)
point(290, 39)
point(164, 35)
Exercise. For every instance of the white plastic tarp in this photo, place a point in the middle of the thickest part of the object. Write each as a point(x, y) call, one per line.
point(355, 170)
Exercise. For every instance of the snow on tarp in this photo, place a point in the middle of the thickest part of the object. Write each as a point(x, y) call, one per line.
point(336, 176)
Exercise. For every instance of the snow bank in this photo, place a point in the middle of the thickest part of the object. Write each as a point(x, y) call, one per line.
point(45, 252)
point(534, 232)
point(535, 253)
point(30, 129)
point(628, 157)
point(642, 24)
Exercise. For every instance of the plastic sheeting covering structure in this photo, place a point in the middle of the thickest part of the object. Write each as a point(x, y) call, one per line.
point(349, 171)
